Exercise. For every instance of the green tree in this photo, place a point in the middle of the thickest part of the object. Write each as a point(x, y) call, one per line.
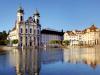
point(66, 42)
point(3, 38)
point(7, 42)
point(55, 42)
point(15, 41)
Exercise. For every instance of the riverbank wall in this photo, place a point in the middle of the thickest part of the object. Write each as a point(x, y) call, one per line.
point(6, 48)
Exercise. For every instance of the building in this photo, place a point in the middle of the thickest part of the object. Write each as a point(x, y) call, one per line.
point(89, 36)
point(73, 36)
point(49, 34)
point(27, 32)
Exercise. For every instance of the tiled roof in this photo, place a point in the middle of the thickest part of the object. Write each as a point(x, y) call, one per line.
point(93, 28)
point(71, 33)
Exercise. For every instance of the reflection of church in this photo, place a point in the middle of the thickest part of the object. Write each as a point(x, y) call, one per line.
point(27, 62)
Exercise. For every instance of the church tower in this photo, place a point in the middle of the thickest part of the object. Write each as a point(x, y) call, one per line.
point(37, 27)
point(36, 16)
point(20, 14)
point(20, 26)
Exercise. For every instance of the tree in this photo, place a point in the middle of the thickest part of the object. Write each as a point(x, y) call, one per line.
point(7, 42)
point(15, 41)
point(55, 42)
point(66, 42)
point(3, 37)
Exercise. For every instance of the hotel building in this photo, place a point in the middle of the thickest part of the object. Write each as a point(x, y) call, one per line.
point(89, 36)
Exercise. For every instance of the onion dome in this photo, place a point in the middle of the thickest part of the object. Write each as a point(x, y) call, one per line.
point(37, 13)
point(20, 10)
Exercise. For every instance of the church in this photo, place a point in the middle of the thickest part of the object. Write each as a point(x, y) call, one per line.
point(26, 32)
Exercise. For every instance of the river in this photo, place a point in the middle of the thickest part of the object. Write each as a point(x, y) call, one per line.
point(52, 61)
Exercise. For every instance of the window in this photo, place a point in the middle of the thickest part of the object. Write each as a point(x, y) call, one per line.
point(34, 31)
point(26, 43)
point(21, 44)
point(37, 21)
point(34, 40)
point(38, 31)
point(30, 30)
point(21, 18)
point(21, 38)
point(26, 40)
point(30, 43)
point(21, 30)
point(26, 30)
point(38, 40)
point(30, 38)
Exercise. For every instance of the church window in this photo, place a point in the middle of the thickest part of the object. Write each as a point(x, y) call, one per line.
point(30, 30)
point(21, 38)
point(21, 18)
point(30, 43)
point(34, 40)
point(26, 30)
point(21, 44)
point(26, 41)
point(37, 21)
point(34, 31)
point(30, 38)
point(38, 40)
point(21, 30)
point(38, 31)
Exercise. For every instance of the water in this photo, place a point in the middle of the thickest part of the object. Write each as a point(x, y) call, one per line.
point(73, 61)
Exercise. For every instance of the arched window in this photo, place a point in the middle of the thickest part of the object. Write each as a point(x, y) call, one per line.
point(38, 40)
point(26, 41)
point(30, 30)
point(21, 38)
point(21, 18)
point(30, 38)
point(21, 44)
point(38, 31)
point(30, 41)
point(37, 21)
point(21, 30)
point(34, 40)
point(26, 30)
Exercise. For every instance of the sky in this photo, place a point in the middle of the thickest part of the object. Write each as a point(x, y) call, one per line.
point(55, 14)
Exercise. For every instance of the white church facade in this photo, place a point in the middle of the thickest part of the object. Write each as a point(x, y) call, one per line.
point(28, 33)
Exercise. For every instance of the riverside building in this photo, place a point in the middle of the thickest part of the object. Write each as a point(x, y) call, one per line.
point(88, 36)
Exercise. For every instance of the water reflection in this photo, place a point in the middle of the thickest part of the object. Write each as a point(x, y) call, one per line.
point(90, 56)
point(51, 55)
point(27, 61)
point(57, 61)
point(73, 61)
